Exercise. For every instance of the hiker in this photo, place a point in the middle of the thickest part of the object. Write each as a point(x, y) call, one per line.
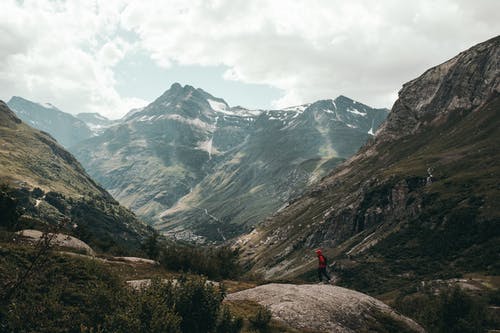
point(322, 267)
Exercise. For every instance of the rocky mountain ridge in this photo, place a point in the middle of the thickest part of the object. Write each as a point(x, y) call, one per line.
point(65, 128)
point(190, 162)
point(412, 203)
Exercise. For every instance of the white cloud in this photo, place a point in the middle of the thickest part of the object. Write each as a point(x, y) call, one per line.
point(63, 53)
point(314, 49)
point(66, 52)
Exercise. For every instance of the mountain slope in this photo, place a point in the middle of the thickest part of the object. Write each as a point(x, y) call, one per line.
point(65, 128)
point(155, 155)
point(189, 162)
point(380, 214)
point(282, 153)
point(96, 123)
point(41, 183)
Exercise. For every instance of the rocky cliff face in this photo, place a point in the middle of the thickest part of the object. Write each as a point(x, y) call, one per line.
point(43, 184)
point(199, 169)
point(416, 201)
point(462, 83)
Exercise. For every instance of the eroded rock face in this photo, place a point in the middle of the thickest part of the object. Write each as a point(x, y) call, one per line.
point(463, 82)
point(325, 308)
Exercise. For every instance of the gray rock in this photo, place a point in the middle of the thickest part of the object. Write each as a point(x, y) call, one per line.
point(324, 307)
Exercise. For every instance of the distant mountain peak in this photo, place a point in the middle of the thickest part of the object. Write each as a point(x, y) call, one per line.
point(175, 86)
point(20, 100)
point(177, 91)
point(342, 97)
point(66, 128)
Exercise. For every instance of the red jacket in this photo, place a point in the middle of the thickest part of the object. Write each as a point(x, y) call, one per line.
point(322, 261)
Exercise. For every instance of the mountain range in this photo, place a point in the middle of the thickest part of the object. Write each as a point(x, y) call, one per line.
point(417, 202)
point(42, 184)
point(199, 169)
point(64, 127)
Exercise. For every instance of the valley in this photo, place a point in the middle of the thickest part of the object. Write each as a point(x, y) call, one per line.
point(189, 215)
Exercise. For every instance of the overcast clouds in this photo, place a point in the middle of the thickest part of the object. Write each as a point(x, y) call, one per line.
point(66, 52)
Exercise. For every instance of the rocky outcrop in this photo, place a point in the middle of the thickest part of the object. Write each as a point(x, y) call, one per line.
point(462, 83)
point(61, 240)
point(325, 308)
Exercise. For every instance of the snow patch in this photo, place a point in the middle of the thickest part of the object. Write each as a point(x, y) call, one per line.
point(241, 112)
point(355, 111)
point(217, 106)
point(371, 128)
point(297, 108)
point(194, 122)
point(146, 118)
point(206, 146)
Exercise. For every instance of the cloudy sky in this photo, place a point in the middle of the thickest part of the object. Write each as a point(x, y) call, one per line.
point(109, 56)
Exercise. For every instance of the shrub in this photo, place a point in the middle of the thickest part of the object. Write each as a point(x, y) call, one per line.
point(62, 295)
point(151, 246)
point(214, 262)
point(80, 295)
point(146, 310)
point(198, 303)
point(227, 323)
point(450, 310)
point(260, 321)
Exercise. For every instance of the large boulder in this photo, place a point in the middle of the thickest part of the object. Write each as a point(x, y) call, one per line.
point(326, 308)
point(61, 240)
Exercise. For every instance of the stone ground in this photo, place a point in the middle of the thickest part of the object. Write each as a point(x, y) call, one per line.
point(324, 308)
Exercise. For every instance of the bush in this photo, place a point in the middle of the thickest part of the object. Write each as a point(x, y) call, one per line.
point(9, 211)
point(62, 295)
point(146, 310)
point(260, 321)
point(151, 246)
point(198, 303)
point(214, 262)
point(79, 295)
point(449, 310)
point(227, 323)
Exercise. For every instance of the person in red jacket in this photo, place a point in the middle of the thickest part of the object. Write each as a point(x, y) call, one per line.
point(322, 267)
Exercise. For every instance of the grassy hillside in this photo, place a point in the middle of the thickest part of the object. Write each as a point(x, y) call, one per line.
point(41, 184)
